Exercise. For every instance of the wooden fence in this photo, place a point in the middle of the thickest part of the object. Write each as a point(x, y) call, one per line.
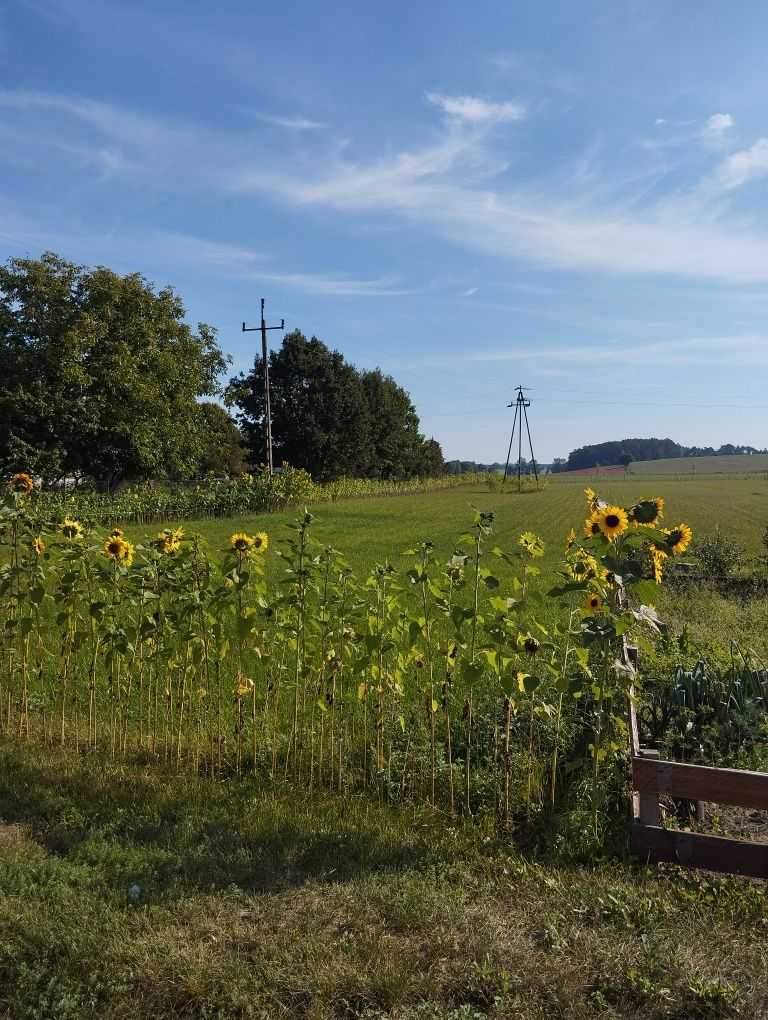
point(653, 777)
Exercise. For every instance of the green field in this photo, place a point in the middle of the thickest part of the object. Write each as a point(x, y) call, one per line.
point(378, 529)
point(751, 464)
point(130, 890)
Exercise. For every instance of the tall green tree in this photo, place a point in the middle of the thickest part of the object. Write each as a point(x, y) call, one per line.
point(218, 443)
point(99, 373)
point(320, 416)
point(397, 446)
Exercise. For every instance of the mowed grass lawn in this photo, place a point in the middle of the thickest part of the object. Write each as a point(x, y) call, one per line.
point(129, 893)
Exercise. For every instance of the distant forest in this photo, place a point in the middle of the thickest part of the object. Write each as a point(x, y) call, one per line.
point(457, 467)
point(624, 451)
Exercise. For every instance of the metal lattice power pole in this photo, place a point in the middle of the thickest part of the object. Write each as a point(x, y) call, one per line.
point(520, 404)
point(265, 381)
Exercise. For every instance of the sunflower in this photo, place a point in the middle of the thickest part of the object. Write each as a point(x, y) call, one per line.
point(658, 556)
point(168, 541)
point(593, 603)
point(612, 521)
point(38, 546)
point(570, 538)
point(127, 559)
point(592, 526)
point(260, 542)
point(583, 566)
point(678, 538)
point(21, 483)
point(117, 533)
point(647, 512)
point(531, 543)
point(242, 544)
point(71, 529)
point(592, 498)
point(115, 547)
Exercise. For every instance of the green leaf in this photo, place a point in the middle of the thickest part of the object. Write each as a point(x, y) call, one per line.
point(471, 672)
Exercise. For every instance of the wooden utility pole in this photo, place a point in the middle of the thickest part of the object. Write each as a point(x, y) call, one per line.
point(265, 382)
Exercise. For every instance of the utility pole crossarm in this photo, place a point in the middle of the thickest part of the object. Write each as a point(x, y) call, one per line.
point(264, 328)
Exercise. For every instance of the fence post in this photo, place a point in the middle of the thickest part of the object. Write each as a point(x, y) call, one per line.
point(650, 812)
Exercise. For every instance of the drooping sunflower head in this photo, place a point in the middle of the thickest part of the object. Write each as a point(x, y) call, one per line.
point(127, 558)
point(531, 543)
point(591, 526)
point(260, 542)
point(678, 538)
point(612, 521)
point(657, 558)
point(592, 498)
point(71, 530)
point(21, 483)
point(570, 538)
point(531, 645)
point(583, 566)
point(38, 546)
point(242, 544)
point(167, 541)
point(647, 512)
point(593, 603)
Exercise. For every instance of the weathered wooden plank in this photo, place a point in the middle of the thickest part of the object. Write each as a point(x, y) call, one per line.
point(700, 782)
point(649, 810)
point(699, 850)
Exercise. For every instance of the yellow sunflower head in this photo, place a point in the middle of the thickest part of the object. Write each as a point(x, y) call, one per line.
point(71, 530)
point(678, 538)
point(612, 521)
point(117, 533)
point(38, 546)
point(241, 543)
point(647, 512)
point(127, 558)
point(115, 547)
point(591, 526)
point(592, 498)
point(583, 566)
point(531, 543)
point(593, 603)
point(260, 542)
point(21, 483)
point(167, 541)
point(570, 538)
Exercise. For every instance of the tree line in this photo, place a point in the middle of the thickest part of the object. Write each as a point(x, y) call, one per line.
point(624, 451)
point(102, 378)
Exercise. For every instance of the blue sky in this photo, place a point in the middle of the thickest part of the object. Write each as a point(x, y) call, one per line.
point(473, 196)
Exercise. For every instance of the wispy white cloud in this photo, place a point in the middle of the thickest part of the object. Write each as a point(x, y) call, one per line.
point(453, 186)
point(335, 284)
point(291, 123)
point(470, 291)
point(745, 165)
point(475, 110)
point(724, 351)
point(719, 123)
